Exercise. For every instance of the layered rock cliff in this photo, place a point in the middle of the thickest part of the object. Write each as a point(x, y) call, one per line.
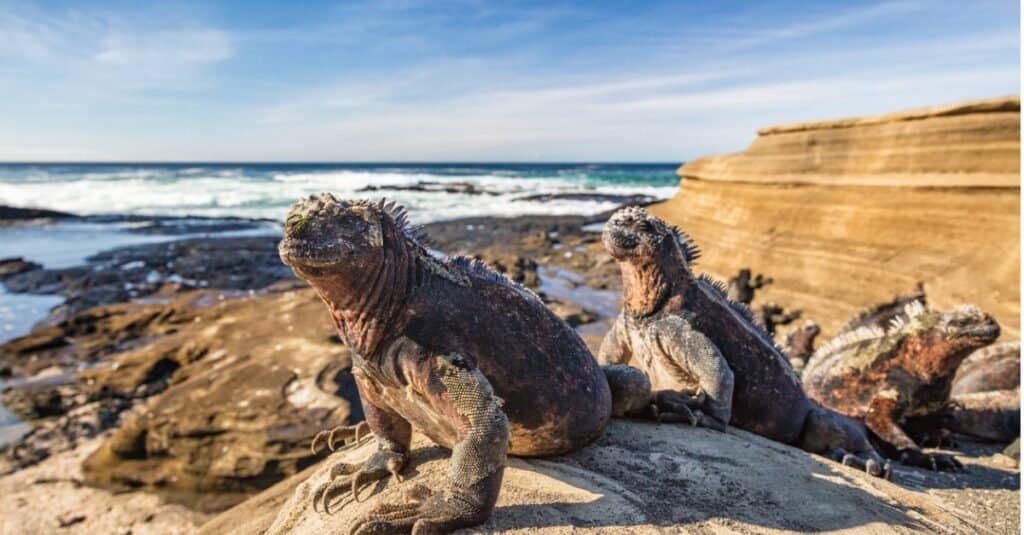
point(847, 213)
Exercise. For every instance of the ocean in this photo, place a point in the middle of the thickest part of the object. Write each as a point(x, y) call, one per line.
point(267, 190)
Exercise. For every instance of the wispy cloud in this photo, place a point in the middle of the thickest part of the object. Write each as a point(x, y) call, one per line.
point(100, 51)
point(476, 80)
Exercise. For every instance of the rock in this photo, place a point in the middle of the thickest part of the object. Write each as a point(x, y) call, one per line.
point(845, 214)
point(34, 499)
point(227, 392)
point(157, 269)
point(637, 478)
point(9, 214)
point(248, 385)
point(14, 266)
point(429, 186)
point(968, 144)
point(620, 199)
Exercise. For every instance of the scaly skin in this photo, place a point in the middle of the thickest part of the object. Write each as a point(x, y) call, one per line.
point(473, 361)
point(984, 399)
point(799, 344)
point(695, 343)
point(882, 314)
point(887, 376)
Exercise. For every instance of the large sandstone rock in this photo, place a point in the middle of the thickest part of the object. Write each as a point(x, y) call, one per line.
point(844, 214)
point(638, 478)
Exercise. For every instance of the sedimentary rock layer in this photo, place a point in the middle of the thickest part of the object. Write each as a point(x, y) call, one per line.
point(970, 144)
point(845, 214)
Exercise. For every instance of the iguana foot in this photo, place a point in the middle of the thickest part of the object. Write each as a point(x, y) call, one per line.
point(938, 462)
point(675, 406)
point(354, 475)
point(347, 434)
point(868, 461)
point(425, 512)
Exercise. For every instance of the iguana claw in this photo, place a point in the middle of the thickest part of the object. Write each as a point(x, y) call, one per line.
point(344, 432)
point(354, 475)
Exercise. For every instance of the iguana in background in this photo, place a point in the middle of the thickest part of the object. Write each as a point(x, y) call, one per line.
point(882, 314)
point(769, 316)
point(744, 284)
point(884, 376)
point(799, 344)
point(984, 400)
point(475, 362)
point(683, 331)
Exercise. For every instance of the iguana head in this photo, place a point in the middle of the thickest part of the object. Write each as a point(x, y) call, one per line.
point(800, 340)
point(654, 257)
point(940, 340)
point(633, 235)
point(359, 256)
point(326, 235)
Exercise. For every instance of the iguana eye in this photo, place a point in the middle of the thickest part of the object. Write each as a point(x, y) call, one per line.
point(645, 226)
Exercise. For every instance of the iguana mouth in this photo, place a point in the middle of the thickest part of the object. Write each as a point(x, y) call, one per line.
point(619, 243)
point(318, 233)
point(988, 330)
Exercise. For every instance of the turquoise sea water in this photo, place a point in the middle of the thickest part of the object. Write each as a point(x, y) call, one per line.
point(266, 190)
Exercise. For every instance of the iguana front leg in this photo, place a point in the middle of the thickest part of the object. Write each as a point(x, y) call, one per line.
point(393, 435)
point(630, 387)
point(687, 352)
point(884, 413)
point(457, 391)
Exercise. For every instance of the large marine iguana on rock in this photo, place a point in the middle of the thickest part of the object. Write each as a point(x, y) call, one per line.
point(685, 333)
point(475, 362)
point(885, 376)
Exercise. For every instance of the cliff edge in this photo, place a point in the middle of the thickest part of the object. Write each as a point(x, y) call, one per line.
point(847, 213)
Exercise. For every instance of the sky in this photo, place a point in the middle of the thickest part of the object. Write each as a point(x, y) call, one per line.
point(474, 80)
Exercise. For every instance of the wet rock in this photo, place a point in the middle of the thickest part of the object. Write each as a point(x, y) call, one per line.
point(622, 200)
point(225, 394)
point(10, 214)
point(14, 266)
point(157, 269)
point(428, 186)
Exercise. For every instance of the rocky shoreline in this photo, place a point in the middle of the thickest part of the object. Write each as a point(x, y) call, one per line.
point(191, 374)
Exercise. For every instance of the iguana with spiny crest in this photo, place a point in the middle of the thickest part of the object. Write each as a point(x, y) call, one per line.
point(690, 339)
point(885, 376)
point(474, 361)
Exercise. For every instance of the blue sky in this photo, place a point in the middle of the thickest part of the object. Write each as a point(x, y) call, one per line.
point(474, 80)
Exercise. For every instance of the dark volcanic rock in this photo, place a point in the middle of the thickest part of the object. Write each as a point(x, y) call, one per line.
point(159, 269)
point(465, 188)
point(624, 200)
point(15, 213)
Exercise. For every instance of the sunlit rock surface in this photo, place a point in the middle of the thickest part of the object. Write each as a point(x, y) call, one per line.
point(848, 213)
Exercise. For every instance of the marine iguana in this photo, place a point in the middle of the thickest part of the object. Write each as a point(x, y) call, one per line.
point(770, 315)
point(984, 399)
point(744, 284)
point(884, 376)
point(689, 338)
point(474, 361)
point(799, 344)
point(882, 314)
